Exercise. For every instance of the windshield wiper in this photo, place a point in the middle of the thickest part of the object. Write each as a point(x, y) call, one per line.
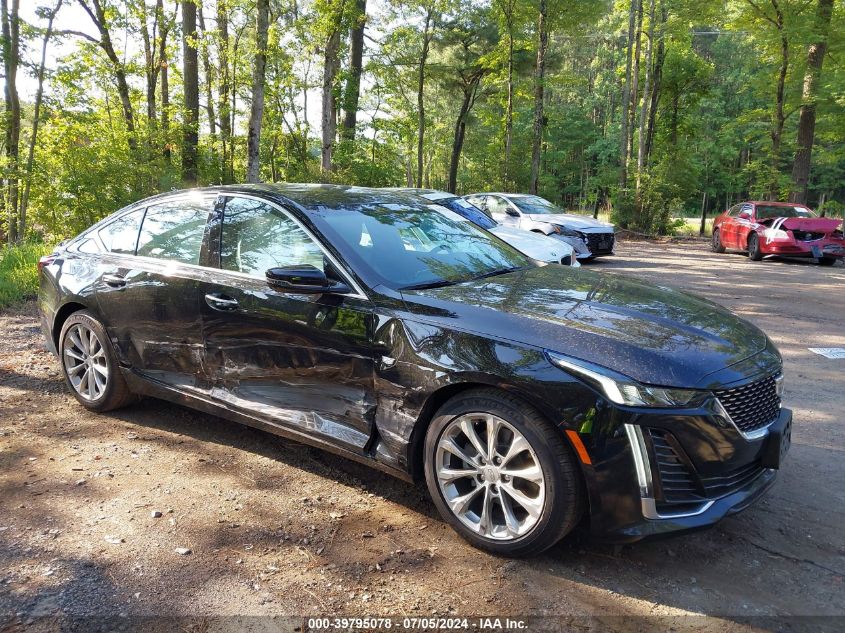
point(438, 283)
point(498, 271)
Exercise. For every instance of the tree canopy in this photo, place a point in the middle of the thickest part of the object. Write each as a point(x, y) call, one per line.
point(651, 109)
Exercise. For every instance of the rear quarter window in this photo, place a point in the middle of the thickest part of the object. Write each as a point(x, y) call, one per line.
point(121, 235)
point(174, 231)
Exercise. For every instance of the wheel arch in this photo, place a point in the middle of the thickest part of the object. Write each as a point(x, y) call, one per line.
point(445, 393)
point(62, 315)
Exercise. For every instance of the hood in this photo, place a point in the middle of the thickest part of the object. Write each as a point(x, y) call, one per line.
point(653, 334)
point(571, 221)
point(536, 246)
point(811, 225)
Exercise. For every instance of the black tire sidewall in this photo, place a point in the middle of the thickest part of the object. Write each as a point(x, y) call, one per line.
point(87, 319)
point(716, 242)
point(548, 529)
point(754, 247)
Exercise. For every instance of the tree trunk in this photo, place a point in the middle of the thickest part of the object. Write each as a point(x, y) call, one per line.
point(420, 96)
point(36, 116)
point(209, 81)
point(643, 116)
point(470, 92)
point(353, 83)
point(539, 86)
point(165, 102)
point(807, 115)
point(626, 97)
point(655, 88)
point(223, 89)
point(11, 54)
point(635, 80)
point(331, 64)
point(98, 16)
point(703, 214)
point(149, 60)
point(508, 9)
point(256, 113)
point(11, 57)
point(190, 135)
point(779, 117)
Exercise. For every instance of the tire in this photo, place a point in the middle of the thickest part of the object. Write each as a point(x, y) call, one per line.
point(552, 507)
point(716, 242)
point(827, 261)
point(754, 253)
point(85, 352)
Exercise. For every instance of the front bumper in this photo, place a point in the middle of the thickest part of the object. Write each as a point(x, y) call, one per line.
point(624, 511)
point(827, 247)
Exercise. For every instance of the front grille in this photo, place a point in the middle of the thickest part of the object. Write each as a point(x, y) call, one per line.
point(807, 236)
point(751, 406)
point(600, 243)
point(681, 487)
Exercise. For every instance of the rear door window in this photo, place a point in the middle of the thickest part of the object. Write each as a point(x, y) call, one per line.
point(174, 230)
point(121, 235)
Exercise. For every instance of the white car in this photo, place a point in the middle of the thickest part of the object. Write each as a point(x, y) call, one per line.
point(535, 245)
point(588, 236)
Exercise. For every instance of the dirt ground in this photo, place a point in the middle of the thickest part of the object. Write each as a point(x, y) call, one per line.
point(274, 528)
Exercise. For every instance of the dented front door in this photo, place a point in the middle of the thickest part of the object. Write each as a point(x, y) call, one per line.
point(300, 361)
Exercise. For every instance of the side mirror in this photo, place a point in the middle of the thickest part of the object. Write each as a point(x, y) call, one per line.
point(512, 212)
point(303, 279)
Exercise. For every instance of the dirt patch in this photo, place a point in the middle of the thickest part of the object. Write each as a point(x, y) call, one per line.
point(277, 529)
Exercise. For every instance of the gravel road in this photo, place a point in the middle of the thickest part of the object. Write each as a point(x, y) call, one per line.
point(156, 510)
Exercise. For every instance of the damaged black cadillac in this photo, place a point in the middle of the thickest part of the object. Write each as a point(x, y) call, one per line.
point(529, 398)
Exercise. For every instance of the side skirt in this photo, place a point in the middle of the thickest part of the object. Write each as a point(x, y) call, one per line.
point(142, 386)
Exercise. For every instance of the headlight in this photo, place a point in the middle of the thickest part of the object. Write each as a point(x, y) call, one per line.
point(567, 232)
point(775, 234)
point(622, 390)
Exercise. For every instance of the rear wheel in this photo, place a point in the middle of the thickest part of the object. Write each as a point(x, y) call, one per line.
point(89, 364)
point(501, 475)
point(716, 243)
point(754, 253)
point(827, 261)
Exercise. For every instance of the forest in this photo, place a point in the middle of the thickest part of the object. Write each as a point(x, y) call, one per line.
point(646, 110)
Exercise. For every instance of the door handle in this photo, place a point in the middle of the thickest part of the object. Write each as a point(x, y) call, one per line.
point(221, 302)
point(114, 280)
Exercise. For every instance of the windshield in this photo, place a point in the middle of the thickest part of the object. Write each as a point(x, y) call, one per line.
point(403, 245)
point(469, 212)
point(535, 204)
point(765, 212)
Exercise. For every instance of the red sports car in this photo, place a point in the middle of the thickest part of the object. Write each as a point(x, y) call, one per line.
point(779, 228)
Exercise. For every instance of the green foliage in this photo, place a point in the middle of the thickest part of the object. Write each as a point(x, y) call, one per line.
point(19, 271)
point(712, 132)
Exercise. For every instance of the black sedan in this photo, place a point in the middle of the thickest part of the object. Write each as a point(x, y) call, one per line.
point(528, 398)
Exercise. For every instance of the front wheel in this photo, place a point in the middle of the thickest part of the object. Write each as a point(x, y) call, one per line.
point(501, 475)
point(754, 252)
point(716, 243)
point(827, 261)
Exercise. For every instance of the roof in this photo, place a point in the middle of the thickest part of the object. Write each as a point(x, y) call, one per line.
point(313, 197)
point(775, 204)
point(500, 193)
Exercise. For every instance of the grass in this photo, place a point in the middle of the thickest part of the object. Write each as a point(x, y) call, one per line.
point(19, 272)
point(689, 228)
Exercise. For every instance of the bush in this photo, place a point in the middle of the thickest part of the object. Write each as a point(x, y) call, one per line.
point(19, 272)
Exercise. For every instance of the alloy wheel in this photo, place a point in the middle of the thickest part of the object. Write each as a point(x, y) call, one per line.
point(490, 476)
point(84, 360)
